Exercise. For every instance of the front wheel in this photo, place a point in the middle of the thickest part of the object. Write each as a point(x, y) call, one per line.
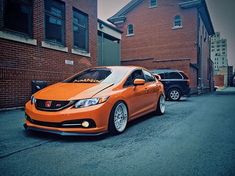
point(161, 105)
point(118, 118)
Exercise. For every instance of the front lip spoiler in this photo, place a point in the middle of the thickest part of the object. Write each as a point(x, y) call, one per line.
point(62, 133)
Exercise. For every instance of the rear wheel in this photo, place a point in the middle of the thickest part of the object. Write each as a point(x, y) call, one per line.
point(118, 118)
point(161, 106)
point(174, 94)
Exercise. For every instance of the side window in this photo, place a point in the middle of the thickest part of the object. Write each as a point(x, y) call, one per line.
point(148, 76)
point(137, 74)
point(152, 3)
point(173, 75)
point(18, 16)
point(55, 21)
point(177, 21)
point(129, 82)
point(162, 75)
point(80, 30)
point(130, 29)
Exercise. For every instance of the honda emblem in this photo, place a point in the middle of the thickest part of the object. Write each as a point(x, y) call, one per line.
point(48, 104)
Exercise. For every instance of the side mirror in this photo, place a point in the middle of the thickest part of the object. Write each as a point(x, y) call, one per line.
point(158, 77)
point(139, 82)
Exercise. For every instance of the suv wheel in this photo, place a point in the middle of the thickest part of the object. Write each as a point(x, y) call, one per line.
point(174, 94)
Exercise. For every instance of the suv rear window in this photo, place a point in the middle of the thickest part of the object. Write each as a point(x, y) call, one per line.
point(184, 75)
point(173, 75)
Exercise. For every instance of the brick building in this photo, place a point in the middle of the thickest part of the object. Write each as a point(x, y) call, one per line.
point(45, 40)
point(168, 34)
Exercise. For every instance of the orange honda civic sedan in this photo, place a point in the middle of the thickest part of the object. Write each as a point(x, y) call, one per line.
point(95, 101)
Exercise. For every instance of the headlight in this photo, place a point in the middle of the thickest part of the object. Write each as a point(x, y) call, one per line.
point(33, 100)
point(90, 102)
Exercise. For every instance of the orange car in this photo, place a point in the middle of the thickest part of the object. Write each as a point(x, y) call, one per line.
point(95, 101)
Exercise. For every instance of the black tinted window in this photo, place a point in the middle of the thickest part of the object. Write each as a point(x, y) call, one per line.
point(137, 74)
point(80, 30)
point(54, 21)
point(173, 75)
point(18, 16)
point(148, 76)
point(184, 75)
point(162, 75)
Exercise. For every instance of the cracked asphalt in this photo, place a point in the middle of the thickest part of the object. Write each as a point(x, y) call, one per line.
point(196, 136)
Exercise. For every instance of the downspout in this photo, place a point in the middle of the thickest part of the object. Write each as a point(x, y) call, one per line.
point(198, 54)
point(102, 48)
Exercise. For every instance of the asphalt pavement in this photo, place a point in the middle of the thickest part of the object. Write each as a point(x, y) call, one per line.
point(196, 136)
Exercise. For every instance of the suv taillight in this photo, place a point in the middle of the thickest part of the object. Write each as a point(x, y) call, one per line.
point(188, 82)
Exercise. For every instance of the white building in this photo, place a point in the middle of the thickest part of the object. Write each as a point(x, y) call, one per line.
point(219, 52)
point(219, 56)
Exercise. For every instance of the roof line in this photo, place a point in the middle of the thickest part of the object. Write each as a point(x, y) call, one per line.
point(127, 8)
point(109, 25)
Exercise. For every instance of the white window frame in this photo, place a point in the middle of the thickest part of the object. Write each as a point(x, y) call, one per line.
point(174, 21)
point(152, 6)
point(127, 32)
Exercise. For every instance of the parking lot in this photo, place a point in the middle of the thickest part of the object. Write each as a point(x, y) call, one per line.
point(196, 136)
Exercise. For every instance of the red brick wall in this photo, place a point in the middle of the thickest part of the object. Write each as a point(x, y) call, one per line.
point(21, 63)
point(180, 64)
point(205, 57)
point(155, 38)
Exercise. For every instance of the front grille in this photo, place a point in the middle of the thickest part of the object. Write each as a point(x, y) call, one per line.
point(48, 105)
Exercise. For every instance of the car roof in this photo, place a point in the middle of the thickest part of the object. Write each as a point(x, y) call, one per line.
point(120, 68)
point(165, 71)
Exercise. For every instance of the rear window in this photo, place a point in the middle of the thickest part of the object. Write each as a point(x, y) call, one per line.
point(184, 75)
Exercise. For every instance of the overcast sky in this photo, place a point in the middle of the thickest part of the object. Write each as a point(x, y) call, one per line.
point(222, 14)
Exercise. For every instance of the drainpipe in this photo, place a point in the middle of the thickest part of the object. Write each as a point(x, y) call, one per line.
point(199, 54)
point(102, 48)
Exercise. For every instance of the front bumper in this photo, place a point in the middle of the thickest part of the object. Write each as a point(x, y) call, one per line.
point(62, 133)
point(58, 122)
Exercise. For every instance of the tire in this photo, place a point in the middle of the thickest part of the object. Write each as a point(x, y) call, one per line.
point(174, 94)
point(118, 118)
point(161, 106)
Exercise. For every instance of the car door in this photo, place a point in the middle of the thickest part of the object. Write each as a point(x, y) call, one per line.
point(152, 90)
point(135, 96)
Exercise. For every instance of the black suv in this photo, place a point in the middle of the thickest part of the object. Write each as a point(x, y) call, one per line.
point(176, 83)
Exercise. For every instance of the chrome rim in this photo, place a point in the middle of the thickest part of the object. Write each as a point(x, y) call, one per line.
point(162, 104)
point(120, 117)
point(174, 94)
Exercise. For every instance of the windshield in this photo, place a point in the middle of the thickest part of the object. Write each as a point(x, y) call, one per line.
point(96, 75)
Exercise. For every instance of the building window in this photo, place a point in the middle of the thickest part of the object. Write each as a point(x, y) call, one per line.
point(18, 16)
point(80, 30)
point(55, 21)
point(152, 3)
point(177, 22)
point(130, 29)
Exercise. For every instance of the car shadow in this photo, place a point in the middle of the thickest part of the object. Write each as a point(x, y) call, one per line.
point(142, 119)
point(56, 137)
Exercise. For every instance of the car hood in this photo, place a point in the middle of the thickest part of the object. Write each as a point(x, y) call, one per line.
point(71, 91)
